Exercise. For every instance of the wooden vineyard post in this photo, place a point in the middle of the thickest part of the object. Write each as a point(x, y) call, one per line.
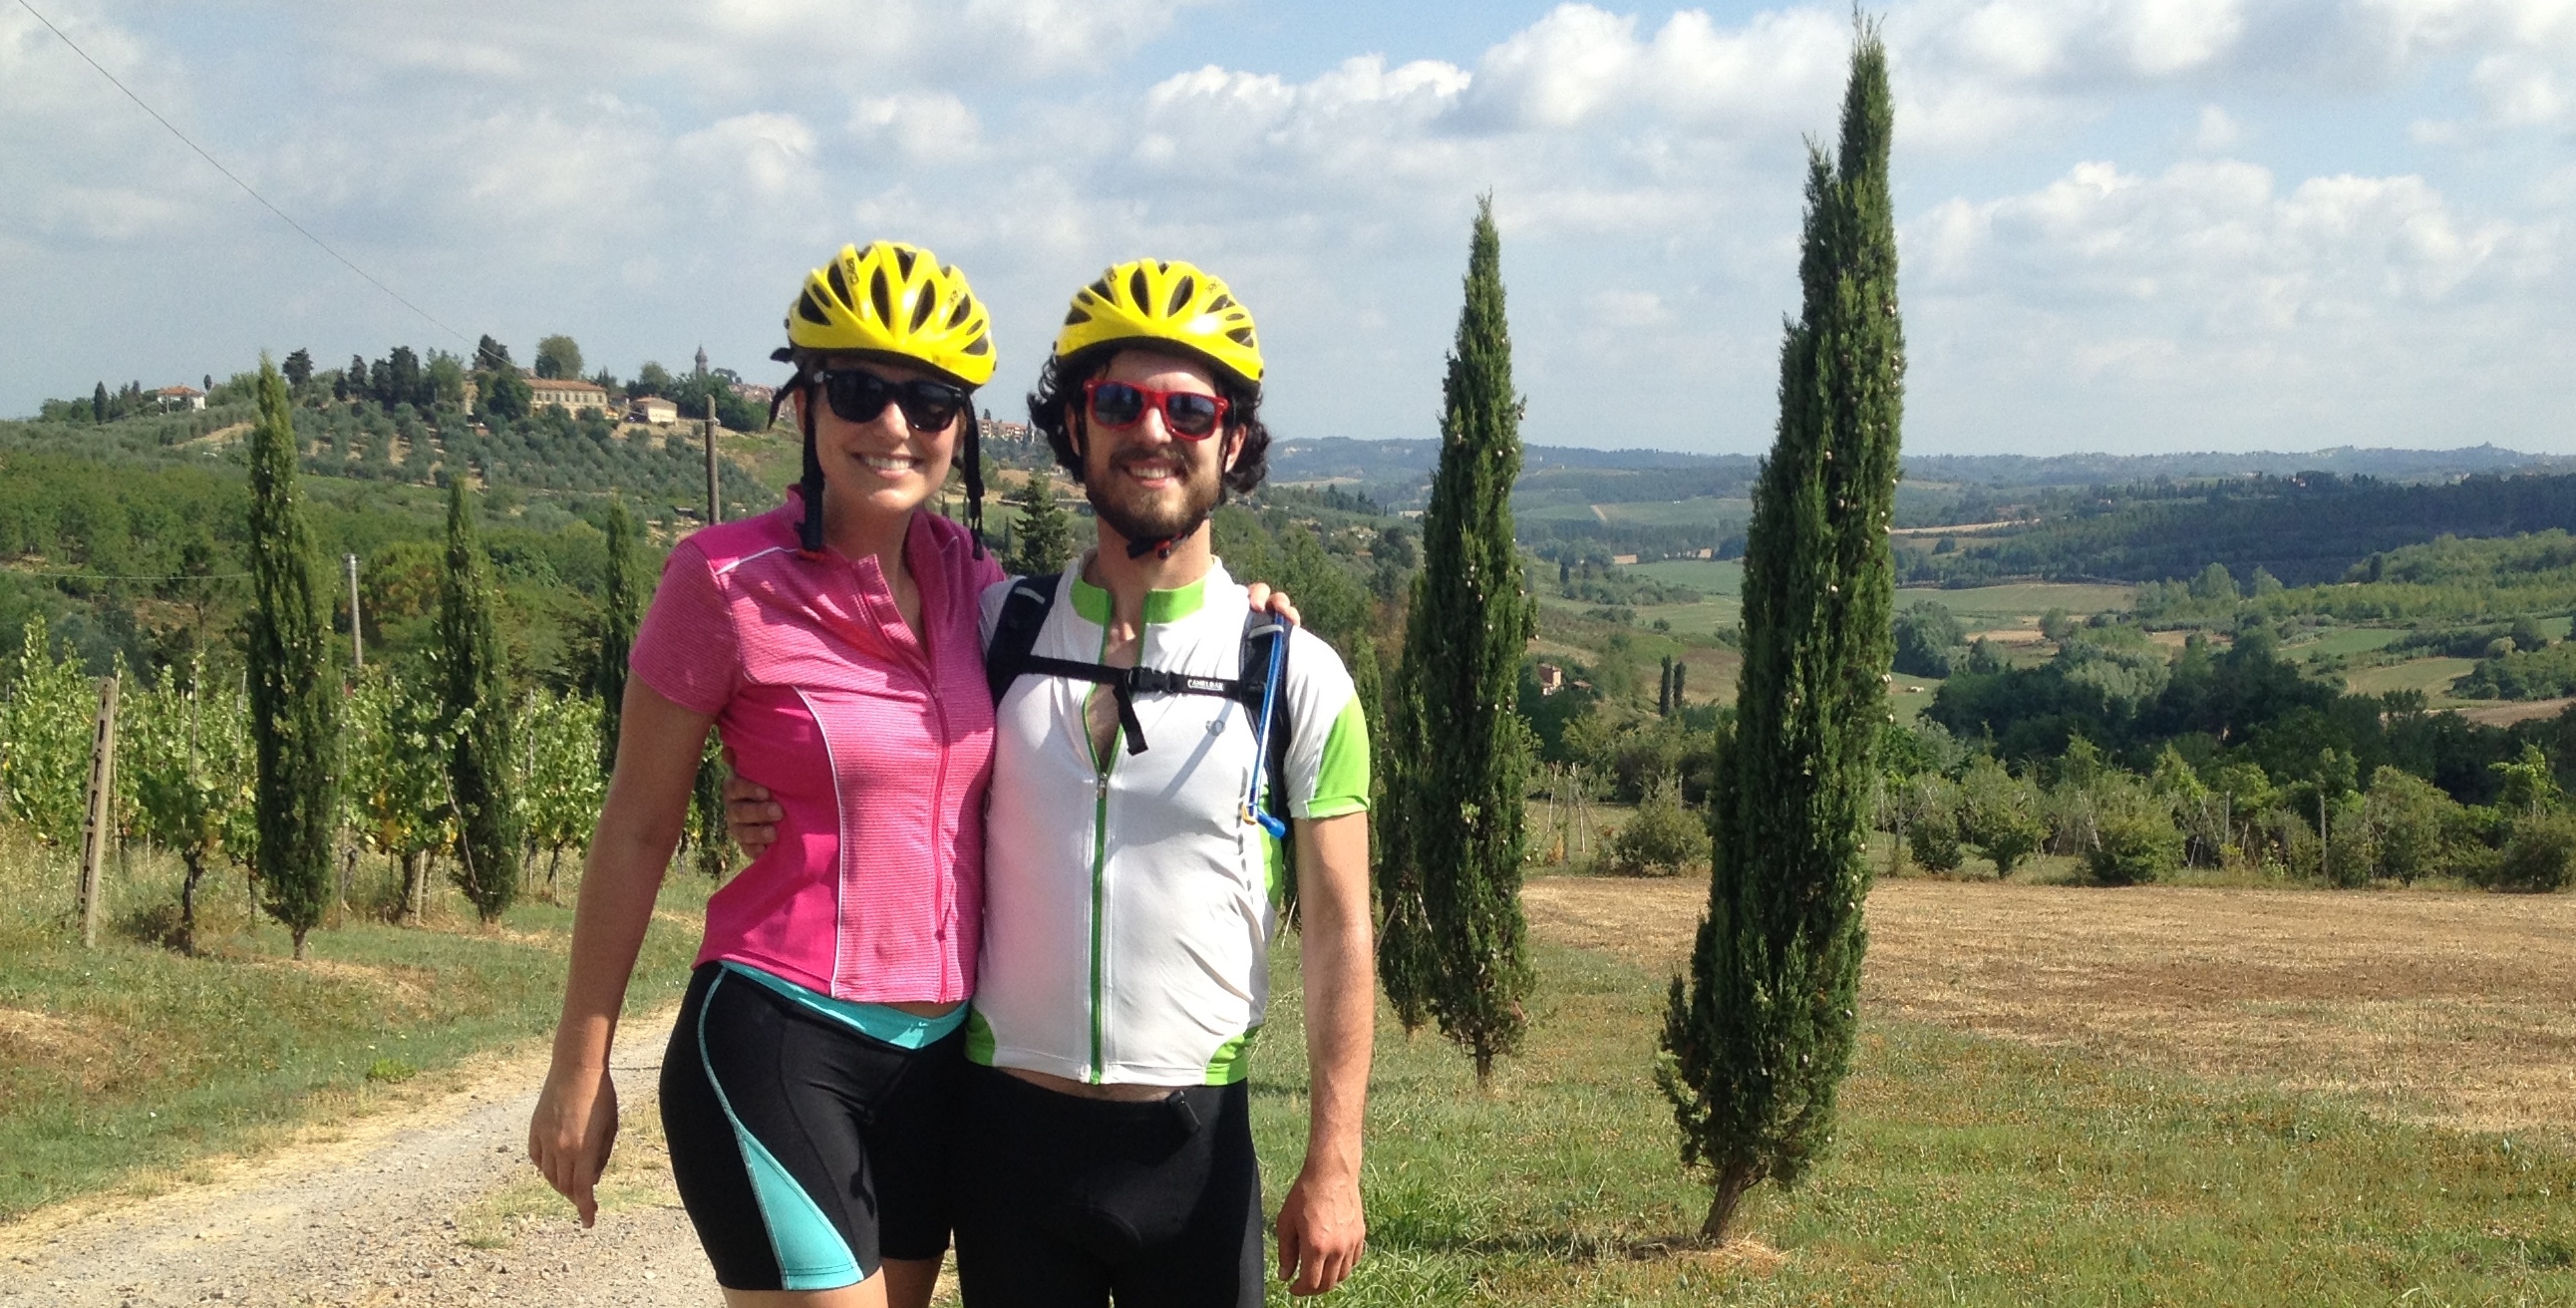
point(715, 505)
point(102, 799)
point(357, 637)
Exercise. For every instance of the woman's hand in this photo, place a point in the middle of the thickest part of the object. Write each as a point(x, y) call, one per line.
point(572, 1132)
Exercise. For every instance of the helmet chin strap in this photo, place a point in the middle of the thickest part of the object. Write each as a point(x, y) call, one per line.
point(1160, 547)
point(810, 531)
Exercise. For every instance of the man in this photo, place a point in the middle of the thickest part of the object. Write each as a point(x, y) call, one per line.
point(1130, 886)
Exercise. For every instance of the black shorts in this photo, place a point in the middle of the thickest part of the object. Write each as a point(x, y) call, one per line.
point(1064, 1201)
point(805, 1151)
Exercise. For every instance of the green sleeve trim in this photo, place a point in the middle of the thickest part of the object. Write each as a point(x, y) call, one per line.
point(1233, 1060)
point(979, 1037)
point(1342, 776)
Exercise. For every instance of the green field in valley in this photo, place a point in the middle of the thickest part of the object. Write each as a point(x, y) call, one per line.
point(2431, 676)
point(2341, 640)
point(2020, 604)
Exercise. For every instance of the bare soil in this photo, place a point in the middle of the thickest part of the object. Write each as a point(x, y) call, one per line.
point(2522, 710)
point(2452, 1009)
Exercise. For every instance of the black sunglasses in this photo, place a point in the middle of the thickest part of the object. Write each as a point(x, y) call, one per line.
point(858, 396)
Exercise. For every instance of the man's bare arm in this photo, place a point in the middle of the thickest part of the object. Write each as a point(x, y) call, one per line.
point(1322, 1229)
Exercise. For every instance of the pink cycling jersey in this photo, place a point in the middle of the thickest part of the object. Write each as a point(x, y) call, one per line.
point(877, 745)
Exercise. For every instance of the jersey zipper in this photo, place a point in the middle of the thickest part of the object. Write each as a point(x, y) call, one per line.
point(1105, 763)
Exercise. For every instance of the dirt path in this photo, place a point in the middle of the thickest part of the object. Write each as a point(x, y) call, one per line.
point(428, 1204)
point(2457, 1009)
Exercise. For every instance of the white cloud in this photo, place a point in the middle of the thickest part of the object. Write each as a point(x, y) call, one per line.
point(2218, 130)
point(924, 126)
point(2211, 297)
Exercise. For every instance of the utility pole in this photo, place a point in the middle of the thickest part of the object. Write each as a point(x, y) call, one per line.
point(715, 506)
point(357, 638)
point(102, 802)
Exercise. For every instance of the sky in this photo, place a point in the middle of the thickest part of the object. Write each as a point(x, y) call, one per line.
point(2125, 225)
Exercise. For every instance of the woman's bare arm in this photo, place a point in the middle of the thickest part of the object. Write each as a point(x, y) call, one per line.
point(648, 797)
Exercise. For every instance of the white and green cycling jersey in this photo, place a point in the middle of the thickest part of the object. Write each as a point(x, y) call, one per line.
point(1128, 903)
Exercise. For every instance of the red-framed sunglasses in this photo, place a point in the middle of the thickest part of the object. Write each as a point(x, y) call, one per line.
point(1186, 414)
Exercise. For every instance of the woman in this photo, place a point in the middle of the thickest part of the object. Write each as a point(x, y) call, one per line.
point(807, 1085)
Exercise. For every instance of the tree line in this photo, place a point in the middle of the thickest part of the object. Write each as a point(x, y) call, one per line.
point(2304, 530)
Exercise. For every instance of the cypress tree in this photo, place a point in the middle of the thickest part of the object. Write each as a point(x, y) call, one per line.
point(1664, 690)
point(294, 729)
point(1757, 1040)
point(1449, 879)
point(1043, 540)
point(474, 717)
point(621, 603)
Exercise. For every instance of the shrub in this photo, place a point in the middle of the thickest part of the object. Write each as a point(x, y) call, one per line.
point(1999, 815)
point(2134, 848)
point(2406, 815)
point(2540, 856)
point(1663, 837)
point(1933, 841)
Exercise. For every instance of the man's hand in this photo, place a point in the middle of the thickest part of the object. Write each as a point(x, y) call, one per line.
point(1263, 599)
point(750, 814)
point(1321, 1233)
point(572, 1132)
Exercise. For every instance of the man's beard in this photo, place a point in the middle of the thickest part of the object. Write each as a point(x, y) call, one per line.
point(1151, 517)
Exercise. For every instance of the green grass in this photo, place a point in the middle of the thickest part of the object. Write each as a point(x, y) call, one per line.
point(1721, 578)
point(2021, 604)
point(122, 1061)
point(1967, 1170)
point(2343, 640)
point(2431, 676)
point(1694, 512)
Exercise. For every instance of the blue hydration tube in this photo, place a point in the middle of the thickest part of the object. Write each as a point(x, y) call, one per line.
point(1253, 811)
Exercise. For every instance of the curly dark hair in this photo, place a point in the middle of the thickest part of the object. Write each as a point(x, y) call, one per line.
point(1059, 391)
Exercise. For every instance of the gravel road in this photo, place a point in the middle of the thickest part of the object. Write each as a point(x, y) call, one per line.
point(424, 1204)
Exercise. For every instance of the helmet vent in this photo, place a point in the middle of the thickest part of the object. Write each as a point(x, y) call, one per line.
point(1138, 292)
point(903, 257)
point(1220, 304)
point(1100, 288)
point(810, 311)
point(840, 283)
point(1240, 336)
point(881, 296)
point(965, 305)
point(1076, 317)
point(981, 345)
point(922, 303)
point(1181, 293)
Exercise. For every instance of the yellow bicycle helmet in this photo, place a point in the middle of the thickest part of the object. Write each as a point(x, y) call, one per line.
point(897, 300)
point(1169, 301)
point(894, 299)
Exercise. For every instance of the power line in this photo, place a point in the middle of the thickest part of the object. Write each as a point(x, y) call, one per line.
point(318, 242)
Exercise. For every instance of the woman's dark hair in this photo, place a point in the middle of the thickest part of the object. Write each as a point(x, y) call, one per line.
point(1059, 392)
point(970, 453)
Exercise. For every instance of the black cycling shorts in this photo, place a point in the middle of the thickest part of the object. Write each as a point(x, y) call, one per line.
point(805, 1150)
point(1064, 1201)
